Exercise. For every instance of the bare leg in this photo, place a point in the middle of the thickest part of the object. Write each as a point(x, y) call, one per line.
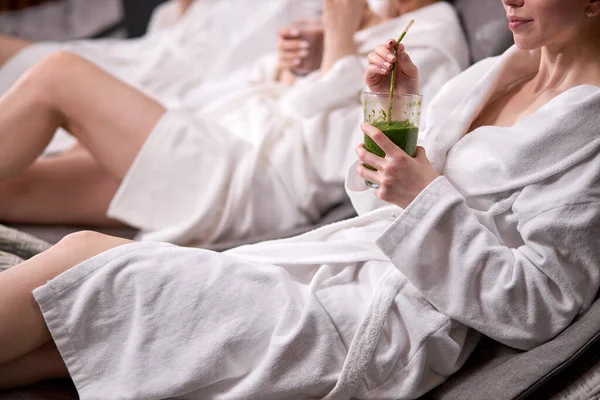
point(22, 327)
point(68, 189)
point(111, 119)
point(42, 364)
point(9, 46)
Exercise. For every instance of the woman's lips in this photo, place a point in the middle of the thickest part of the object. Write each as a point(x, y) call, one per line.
point(515, 23)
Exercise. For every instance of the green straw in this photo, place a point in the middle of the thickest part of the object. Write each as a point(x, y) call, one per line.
point(393, 83)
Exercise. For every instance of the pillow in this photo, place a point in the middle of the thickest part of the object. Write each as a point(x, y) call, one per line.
point(486, 27)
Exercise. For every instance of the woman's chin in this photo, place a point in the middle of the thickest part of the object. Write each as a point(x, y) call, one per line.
point(525, 44)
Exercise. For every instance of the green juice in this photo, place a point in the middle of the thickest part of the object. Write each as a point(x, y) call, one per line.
point(403, 133)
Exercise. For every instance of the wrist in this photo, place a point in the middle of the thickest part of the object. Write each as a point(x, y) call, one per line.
point(339, 37)
point(339, 44)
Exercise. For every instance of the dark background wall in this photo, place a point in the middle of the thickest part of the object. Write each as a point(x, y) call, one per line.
point(137, 15)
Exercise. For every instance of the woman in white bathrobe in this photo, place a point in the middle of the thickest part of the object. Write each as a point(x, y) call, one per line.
point(205, 175)
point(496, 235)
point(187, 42)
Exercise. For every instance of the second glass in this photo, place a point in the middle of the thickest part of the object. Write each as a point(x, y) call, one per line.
point(308, 20)
point(402, 126)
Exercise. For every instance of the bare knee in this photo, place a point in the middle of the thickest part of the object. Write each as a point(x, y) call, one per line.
point(50, 76)
point(89, 243)
point(82, 239)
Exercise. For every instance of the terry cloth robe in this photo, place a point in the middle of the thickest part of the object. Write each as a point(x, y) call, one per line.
point(383, 306)
point(269, 157)
point(213, 40)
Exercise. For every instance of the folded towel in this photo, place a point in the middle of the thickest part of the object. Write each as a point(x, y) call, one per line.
point(18, 246)
point(8, 260)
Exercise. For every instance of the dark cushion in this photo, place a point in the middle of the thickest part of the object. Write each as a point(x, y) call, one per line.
point(137, 15)
point(55, 390)
point(486, 27)
point(497, 372)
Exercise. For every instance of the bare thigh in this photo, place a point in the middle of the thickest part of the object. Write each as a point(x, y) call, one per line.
point(68, 189)
point(110, 118)
point(9, 46)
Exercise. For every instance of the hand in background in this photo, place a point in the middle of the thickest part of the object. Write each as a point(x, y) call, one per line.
point(400, 177)
point(292, 49)
point(378, 76)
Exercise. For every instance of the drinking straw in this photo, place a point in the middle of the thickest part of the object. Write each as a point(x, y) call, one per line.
point(393, 83)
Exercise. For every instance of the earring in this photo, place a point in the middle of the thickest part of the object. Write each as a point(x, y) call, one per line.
point(589, 13)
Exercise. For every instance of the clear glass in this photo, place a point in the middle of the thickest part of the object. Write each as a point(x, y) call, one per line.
point(402, 127)
point(308, 20)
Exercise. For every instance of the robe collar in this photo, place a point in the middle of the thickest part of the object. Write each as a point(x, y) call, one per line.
point(560, 134)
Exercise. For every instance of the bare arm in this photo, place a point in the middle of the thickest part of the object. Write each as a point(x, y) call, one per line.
point(342, 19)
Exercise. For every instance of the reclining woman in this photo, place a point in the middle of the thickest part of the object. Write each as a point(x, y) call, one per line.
point(264, 159)
point(182, 48)
point(496, 235)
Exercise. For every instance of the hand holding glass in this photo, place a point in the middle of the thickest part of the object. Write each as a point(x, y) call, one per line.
point(307, 19)
point(401, 125)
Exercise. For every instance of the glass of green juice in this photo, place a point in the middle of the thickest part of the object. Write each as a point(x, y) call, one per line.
point(402, 126)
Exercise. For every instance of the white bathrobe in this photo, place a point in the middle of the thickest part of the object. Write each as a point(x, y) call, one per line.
point(383, 306)
point(213, 39)
point(269, 158)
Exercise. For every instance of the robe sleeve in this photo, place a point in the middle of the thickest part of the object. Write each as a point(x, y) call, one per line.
point(318, 93)
point(265, 69)
point(522, 294)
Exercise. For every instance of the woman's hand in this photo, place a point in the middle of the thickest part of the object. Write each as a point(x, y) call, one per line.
point(292, 49)
point(341, 20)
point(378, 76)
point(400, 177)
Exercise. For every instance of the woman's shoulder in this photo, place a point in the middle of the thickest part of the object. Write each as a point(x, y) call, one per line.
point(460, 86)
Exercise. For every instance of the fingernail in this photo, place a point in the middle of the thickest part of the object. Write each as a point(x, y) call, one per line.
point(384, 70)
point(303, 53)
point(363, 125)
point(391, 42)
point(387, 64)
point(294, 32)
point(391, 57)
point(304, 45)
point(400, 47)
point(297, 62)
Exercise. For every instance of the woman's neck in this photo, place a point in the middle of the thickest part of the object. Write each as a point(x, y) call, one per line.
point(563, 67)
point(400, 8)
point(371, 19)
